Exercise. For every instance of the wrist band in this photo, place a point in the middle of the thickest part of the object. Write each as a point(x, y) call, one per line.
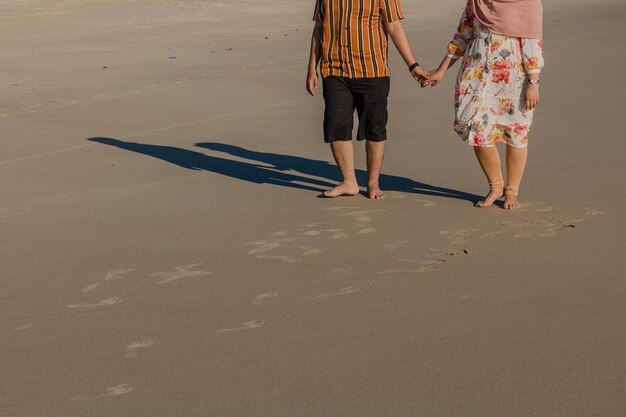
point(413, 66)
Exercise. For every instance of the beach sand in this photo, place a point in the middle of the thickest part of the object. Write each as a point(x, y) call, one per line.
point(164, 253)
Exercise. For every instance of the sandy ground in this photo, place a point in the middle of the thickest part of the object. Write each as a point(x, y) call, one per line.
point(164, 253)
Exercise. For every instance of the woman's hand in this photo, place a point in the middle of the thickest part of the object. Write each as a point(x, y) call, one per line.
point(531, 96)
point(435, 77)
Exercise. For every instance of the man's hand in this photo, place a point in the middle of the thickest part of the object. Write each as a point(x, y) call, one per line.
point(435, 77)
point(419, 74)
point(311, 82)
point(531, 96)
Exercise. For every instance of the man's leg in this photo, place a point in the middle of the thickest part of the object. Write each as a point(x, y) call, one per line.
point(371, 104)
point(343, 152)
point(375, 157)
point(338, 123)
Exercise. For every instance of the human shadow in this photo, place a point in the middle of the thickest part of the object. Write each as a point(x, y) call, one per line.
point(198, 161)
point(323, 169)
point(273, 168)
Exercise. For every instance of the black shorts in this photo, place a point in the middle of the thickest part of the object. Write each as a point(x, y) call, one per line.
point(368, 96)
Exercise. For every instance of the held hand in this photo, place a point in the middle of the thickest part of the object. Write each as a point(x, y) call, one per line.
point(435, 77)
point(531, 98)
point(419, 74)
point(311, 82)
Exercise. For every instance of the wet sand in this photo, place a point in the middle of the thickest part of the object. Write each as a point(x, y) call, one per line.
point(164, 252)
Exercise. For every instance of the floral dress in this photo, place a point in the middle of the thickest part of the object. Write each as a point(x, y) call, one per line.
point(489, 99)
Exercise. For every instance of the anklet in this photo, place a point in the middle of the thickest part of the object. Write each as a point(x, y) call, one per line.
point(497, 185)
point(511, 190)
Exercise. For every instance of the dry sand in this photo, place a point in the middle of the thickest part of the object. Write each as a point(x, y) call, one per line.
point(163, 252)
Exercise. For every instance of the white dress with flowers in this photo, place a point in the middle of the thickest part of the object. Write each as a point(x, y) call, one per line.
point(489, 100)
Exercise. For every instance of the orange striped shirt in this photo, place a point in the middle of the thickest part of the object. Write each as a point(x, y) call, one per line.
point(354, 39)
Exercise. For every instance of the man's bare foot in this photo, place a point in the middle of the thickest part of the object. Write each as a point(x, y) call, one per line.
point(491, 198)
point(511, 202)
point(344, 188)
point(374, 192)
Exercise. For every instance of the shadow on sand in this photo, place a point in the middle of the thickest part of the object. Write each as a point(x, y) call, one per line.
point(272, 168)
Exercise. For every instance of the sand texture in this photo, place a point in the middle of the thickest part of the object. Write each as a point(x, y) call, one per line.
point(163, 251)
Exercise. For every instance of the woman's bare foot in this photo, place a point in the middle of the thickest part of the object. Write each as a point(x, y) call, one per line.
point(491, 198)
point(374, 192)
point(511, 202)
point(510, 197)
point(345, 188)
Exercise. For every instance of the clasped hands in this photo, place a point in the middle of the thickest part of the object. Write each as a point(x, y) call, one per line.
point(427, 78)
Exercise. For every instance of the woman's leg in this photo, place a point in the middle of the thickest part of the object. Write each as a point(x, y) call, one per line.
point(489, 160)
point(515, 166)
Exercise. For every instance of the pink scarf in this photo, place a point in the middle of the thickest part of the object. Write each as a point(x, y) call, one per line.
point(514, 18)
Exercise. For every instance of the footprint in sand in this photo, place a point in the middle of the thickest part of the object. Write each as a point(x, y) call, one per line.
point(549, 229)
point(110, 392)
point(107, 302)
point(522, 234)
point(279, 233)
point(424, 266)
point(343, 291)
point(569, 224)
point(319, 232)
point(340, 271)
point(310, 250)
point(311, 225)
point(546, 209)
point(396, 245)
point(441, 256)
point(427, 203)
point(549, 233)
point(115, 274)
point(264, 248)
point(463, 252)
point(284, 258)
point(456, 237)
point(131, 349)
point(520, 229)
point(23, 327)
point(362, 216)
point(249, 325)
point(542, 228)
point(493, 234)
point(538, 207)
point(341, 208)
point(180, 272)
point(259, 299)
point(90, 287)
